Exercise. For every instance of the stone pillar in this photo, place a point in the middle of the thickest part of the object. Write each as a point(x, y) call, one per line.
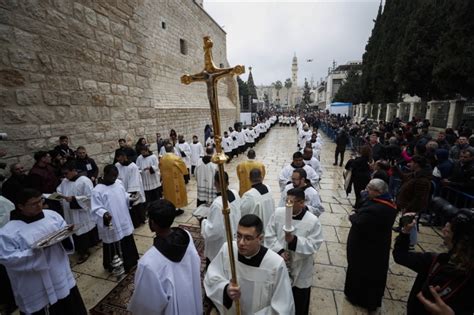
point(455, 113)
point(391, 108)
point(379, 109)
point(412, 110)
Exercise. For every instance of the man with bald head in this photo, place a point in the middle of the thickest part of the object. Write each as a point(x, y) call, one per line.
point(15, 183)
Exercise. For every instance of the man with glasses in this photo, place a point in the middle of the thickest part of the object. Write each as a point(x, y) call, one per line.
point(41, 278)
point(263, 283)
point(296, 248)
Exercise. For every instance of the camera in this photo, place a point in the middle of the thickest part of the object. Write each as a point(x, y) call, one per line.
point(3, 136)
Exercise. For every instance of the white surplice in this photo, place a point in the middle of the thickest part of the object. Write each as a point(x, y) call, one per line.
point(315, 164)
point(312, 200)
point(164, 287)
point(131, 179)
point(186, 149)
point(253, 202)
point(39, 277)
point(309, 238)
point(150, 180)
point(204, 172)
point(81, 189)
point(303, 137)
point(285, 175)
point(213, 228)
point(113, 199)
point(265, 290)
point(197, 152)
point(227, 144)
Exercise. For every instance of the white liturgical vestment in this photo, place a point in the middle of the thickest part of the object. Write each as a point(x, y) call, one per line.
point(113, 199)
point(213, 228)
point(312, 200)
point(38, 276)
point(254, 202)
point(285, 175)
point(197, 151)
point(131, 179)
point(265, 289)
point(81, 189)
point(309, 239)
point(166, 287)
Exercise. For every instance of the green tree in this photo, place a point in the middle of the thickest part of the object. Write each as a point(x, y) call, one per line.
point(351, 89)
point(288, 85)
point(243, 93)
point(251, 85)
point(306, 93)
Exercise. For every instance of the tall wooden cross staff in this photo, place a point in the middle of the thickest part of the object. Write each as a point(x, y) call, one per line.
point(211, 75)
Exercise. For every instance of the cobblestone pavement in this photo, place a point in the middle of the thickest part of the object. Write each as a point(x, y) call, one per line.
point(327, 296)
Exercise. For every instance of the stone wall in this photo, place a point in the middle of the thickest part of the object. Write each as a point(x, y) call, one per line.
point(102, 70)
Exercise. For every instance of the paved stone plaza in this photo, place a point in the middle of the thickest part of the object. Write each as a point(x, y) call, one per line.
point(327, 295)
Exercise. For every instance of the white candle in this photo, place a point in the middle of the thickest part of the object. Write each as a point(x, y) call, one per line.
point(288, 216)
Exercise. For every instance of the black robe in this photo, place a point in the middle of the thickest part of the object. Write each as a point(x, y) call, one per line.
point(368, 250)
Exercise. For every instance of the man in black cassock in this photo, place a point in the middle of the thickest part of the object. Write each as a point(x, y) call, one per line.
point(368, 247)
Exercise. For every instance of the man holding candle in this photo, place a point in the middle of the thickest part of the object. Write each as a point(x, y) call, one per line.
point(295, 233)
point(263, 283)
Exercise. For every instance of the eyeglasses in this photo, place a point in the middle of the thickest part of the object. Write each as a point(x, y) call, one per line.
point(246, 238)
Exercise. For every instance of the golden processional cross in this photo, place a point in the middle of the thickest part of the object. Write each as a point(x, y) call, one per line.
point(211, 75)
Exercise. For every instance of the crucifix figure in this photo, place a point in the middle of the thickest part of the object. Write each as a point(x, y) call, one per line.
point(211, 75)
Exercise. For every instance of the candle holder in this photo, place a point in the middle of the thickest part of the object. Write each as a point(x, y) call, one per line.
point(288, 227)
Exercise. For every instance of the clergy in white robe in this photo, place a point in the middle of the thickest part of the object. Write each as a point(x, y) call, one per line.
point(197, 152)
point(41, 278)
point(297, 247)
point(110, 204)
point(205, 172)
point(241, 140)
point(147, 163)
point(310, 160)
point(210, 142)
point(7, 300)
point(316, 146)
point(304, 136)
point(129, 175)
point(285, 174)
point(259, 199)
point(77, 208)
point(227, 145)
point(262, 275)
point(235, 146)
point(168, 278)
point(213, 228)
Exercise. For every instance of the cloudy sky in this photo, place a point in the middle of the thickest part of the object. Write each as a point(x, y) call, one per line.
point(266, 34)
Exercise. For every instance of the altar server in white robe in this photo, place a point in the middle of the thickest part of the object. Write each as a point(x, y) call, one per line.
point(310, 160)
point(110, 204)
point(147, 163)
point(197, 152)
point(41, 278)
point(312, 200)
point(168, 277)
point(297, 247)
point(213, 228)
point(316, 146)
point(285, 174)
point(264, 286)
point(304, 136)
point(185, 152)
point(205, 172)
point(259, 199)
point(7, 300)
point(228, 146)
point(77, 209)
point(129, 175)
point(241, 139)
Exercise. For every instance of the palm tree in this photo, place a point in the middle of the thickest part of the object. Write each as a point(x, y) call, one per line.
point(278, 86)
point(288, 84)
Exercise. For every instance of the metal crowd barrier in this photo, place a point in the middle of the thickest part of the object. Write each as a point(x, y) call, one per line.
point(457, 198)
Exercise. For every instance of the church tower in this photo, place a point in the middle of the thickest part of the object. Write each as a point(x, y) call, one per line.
point(294, 79)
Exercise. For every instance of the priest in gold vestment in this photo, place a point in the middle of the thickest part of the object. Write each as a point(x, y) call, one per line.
point(243, 171)
point(172, 169)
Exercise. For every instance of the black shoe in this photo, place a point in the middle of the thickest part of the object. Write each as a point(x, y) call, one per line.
point(179, 212)
point(335, 164)
point(340, 164)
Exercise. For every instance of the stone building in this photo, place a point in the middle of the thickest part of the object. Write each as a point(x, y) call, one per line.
point(98, 71)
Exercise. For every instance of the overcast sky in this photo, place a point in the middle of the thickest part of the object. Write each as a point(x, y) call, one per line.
point(266, 34)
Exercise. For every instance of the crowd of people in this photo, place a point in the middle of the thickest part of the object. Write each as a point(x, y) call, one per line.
point(275, 241)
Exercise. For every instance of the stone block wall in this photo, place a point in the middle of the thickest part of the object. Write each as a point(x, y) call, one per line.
point(97, 71)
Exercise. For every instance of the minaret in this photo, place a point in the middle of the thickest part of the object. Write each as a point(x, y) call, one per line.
point(294, 78)
point(294, 71)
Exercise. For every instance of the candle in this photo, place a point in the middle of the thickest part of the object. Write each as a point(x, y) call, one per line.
point(288, 216)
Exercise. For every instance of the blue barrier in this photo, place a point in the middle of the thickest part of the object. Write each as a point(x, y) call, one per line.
point(457, 198)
